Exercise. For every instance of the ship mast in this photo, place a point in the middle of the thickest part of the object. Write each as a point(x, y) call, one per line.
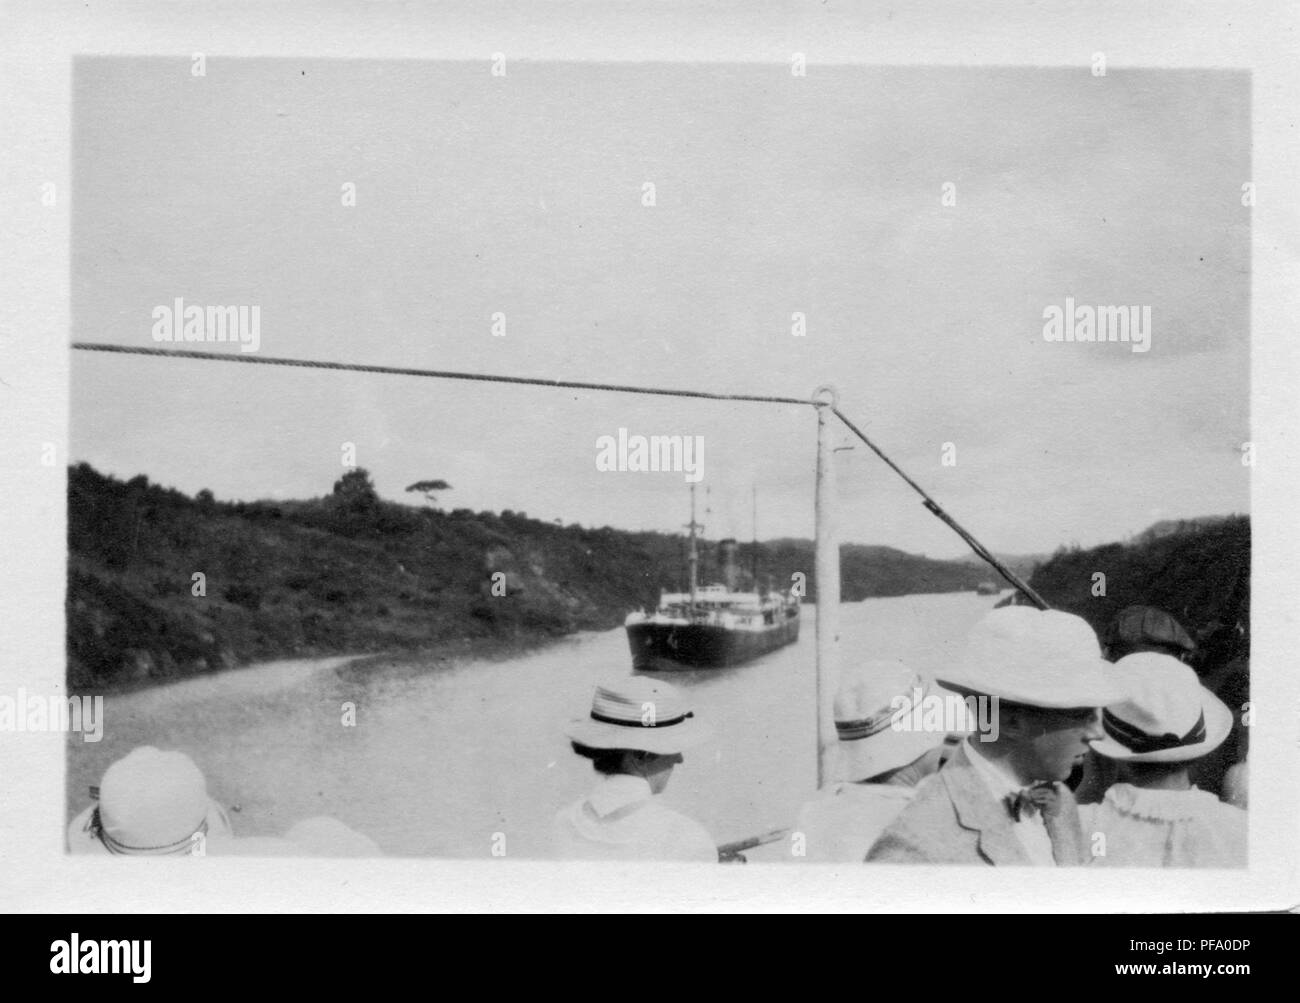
point(754, 555)
point(694, 558)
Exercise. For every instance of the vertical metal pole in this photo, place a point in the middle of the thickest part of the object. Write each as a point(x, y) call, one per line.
point(827, 572)
point(695, 554)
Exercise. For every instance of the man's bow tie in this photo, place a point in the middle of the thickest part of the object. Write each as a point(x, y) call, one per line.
point(1028, 800)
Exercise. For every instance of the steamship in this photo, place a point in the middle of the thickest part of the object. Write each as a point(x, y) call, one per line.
point(711, 626)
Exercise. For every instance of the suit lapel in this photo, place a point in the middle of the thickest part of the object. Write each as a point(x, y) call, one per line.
point(979, 812)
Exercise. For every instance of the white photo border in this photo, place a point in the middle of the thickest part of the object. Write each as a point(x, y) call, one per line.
point(35, 63)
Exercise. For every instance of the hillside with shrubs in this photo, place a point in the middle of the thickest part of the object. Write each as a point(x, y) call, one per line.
point(162, 585)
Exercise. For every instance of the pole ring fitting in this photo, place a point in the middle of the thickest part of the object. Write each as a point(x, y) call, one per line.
point(826, 395)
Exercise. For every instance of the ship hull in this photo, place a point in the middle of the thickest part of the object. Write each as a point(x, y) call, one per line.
point(661, 647)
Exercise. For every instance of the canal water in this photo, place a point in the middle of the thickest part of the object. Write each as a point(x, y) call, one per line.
point(446, 761)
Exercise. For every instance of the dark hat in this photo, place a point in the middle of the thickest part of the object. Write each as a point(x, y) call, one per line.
point(1138, 628)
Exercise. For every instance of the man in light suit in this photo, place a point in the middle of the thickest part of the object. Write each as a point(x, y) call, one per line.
point(1001, 799)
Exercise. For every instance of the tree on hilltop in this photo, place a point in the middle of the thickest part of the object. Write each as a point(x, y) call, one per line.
point(427, 488)
point(355, 491)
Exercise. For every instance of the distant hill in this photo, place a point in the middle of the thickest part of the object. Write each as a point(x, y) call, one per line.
point(870, 571)
point(1022, 564)
point(1176, 527)
point(1196, 569)
point(352, 573)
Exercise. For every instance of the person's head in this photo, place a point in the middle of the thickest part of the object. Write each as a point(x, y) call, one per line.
point(638, 727)
point(150, 803)
point(1166, 721)
point(1040, 743)
point(879, 723)
point(1147, 629)
point(655, 768)
point(1043, 671)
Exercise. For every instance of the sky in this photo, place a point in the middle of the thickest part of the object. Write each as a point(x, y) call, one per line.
point(821, 195)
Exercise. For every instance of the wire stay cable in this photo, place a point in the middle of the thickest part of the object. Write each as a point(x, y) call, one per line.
point(439, 374)
point(933, 506)
point(937, 510)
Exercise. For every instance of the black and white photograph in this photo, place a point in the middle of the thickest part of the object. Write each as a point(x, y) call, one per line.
point(793, 462)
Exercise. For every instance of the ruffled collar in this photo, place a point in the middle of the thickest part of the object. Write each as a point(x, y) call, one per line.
point(1160, 805)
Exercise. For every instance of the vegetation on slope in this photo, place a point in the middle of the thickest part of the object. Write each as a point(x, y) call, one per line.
point(1198, 570)
point(161, 585)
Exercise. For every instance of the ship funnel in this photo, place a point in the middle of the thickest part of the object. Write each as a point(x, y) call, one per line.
point(727, 555)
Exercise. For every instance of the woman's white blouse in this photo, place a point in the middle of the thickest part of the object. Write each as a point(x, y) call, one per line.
point(1136, 827)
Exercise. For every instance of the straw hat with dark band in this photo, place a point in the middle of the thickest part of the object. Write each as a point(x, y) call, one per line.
point(150, 803)
point(1169, 717)
point(872, 700)
point(639, 714)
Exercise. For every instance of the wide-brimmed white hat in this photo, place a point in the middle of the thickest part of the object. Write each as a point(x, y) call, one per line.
point(872, 698)
point(1168, 716)
point(639, 713)
point(1037, 657)
point(151, 803)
